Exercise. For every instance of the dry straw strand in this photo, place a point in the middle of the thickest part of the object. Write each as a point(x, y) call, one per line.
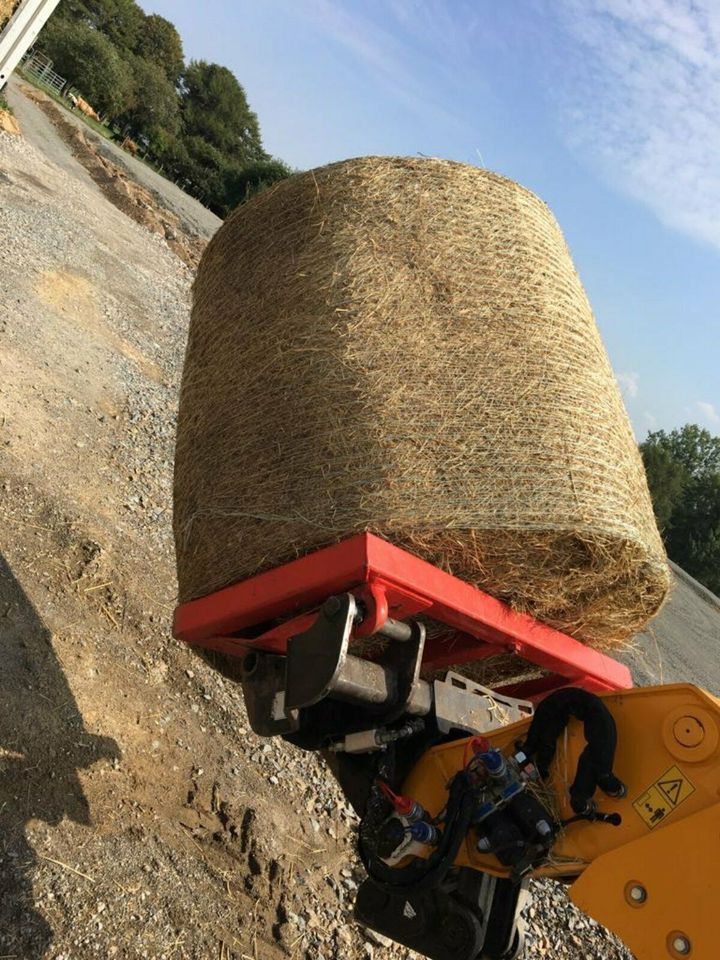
point(402, 345)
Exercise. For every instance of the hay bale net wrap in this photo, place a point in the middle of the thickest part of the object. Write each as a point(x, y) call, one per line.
point(404, 346)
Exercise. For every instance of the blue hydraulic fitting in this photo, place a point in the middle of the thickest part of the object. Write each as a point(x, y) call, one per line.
point(424, 832)
point(494, 763)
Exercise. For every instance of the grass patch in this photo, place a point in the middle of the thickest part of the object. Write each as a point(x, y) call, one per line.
point(4, 105)
point(107, 132)
point(100, 128)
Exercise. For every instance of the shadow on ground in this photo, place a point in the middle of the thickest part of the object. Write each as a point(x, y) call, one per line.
point(43, 745)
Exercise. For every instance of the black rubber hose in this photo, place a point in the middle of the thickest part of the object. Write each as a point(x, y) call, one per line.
point(614, 819)
point(595, 764)
point(426, 874)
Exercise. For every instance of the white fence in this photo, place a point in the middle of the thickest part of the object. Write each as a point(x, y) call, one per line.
point(40, 68)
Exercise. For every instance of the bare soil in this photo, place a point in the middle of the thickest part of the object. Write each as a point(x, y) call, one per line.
point(127, 195)
point(139, 816)
point(8, 123)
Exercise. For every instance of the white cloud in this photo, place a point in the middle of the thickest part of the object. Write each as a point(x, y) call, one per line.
point(709, 412)
point(643, 102)
point(629, 383)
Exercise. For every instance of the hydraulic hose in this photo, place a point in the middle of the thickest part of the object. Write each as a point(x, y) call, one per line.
point(423, 874)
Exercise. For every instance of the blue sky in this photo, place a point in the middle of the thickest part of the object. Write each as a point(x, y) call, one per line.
point(608, 109)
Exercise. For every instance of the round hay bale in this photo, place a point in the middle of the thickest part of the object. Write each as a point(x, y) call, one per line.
point(404, 346)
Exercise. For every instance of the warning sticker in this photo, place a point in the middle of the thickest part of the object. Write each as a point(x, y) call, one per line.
point(667, 793)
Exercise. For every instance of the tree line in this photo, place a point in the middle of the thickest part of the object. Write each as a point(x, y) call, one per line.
point(192, 118)
point(683, 471)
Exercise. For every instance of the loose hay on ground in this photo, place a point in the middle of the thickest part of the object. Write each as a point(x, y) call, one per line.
point(7, 9)
point(403, 346)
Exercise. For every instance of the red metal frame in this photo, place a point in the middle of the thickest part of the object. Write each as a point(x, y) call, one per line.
point(395, 583)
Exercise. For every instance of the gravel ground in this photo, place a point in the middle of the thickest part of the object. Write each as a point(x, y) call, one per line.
point(38, 130)
point(659, 656)
point(139, 815)
point(195, 217)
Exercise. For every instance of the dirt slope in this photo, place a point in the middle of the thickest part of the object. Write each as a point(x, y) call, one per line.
point(194, 216)
point(682, 645)
point(133, 819)
point(139, 817)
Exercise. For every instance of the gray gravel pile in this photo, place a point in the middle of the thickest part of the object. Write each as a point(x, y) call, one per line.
point(139, 815)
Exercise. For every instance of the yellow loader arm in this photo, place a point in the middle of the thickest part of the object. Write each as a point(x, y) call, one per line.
point(654, 879)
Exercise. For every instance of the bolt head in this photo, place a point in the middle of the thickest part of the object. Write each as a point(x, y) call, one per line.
point(332, 606)
point(638, 893)
point(681, 945)
point(689, 732)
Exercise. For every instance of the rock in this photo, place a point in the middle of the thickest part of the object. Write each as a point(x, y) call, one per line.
point(376, 937)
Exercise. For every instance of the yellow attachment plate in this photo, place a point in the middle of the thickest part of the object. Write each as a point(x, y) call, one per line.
point(662, 891)
point(667, 754)
point(667, 793)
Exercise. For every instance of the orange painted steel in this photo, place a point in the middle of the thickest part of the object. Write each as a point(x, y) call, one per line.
point(667, 848)
point(263, 611)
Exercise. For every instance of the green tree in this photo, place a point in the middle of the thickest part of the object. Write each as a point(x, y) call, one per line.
point(91, 62)
point(196, 120)
point(666, 478)
point(692, 446)
point(683, 471)
point(160, 43)
point(70, 10)
point(693, 541)
point(153, 113)
point(202, 169)
point(215, 108)
point(241, 183)
point(121, 21)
